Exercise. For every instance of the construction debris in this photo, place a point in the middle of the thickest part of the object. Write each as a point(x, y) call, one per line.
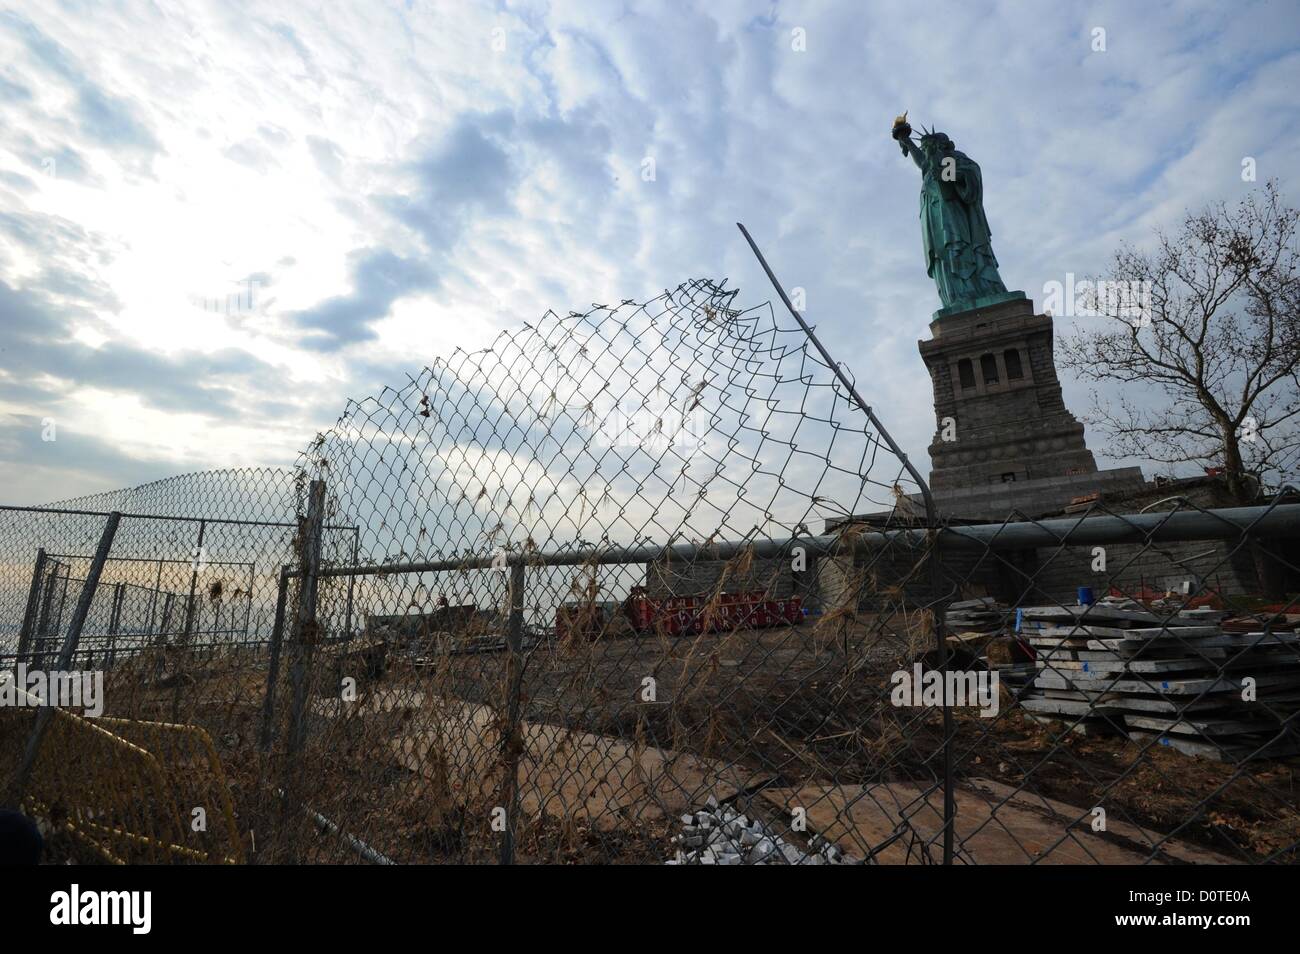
point(979, 634)
point(721, 835)
point(1183, 681)
point(982, 615)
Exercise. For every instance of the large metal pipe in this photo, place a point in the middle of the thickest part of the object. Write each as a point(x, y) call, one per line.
point(1281, 520)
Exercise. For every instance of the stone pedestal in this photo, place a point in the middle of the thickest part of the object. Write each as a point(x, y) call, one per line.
point(1004, 438)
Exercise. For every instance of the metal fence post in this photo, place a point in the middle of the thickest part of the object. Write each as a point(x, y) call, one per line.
point(190, 609)
point(43, 618)
point(304, 622)
point(33, 604)
point(194, 583)
point(114, 623)
point(273, 667)
point(248, 600)
point(938, 604)
point(115, 609)
point(64, 661)
point(352, 580)
point(512, 742)
point(63, 601)
point(160, 643)
point(153, 597)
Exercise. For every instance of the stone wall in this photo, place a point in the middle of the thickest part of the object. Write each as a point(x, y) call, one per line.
point(1030, 499)
point(898, 574)
point(1006, 425)
point(1201, 564)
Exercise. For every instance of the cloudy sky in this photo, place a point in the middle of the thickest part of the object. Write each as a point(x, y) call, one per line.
point(220, 220)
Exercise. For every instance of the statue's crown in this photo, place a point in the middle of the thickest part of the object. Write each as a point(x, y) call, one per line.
point(935, 138)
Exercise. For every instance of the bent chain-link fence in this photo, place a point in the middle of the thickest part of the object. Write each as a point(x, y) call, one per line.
point(577, 642)
point(643, 584)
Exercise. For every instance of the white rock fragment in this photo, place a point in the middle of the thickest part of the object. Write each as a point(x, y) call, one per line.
point(720, 835)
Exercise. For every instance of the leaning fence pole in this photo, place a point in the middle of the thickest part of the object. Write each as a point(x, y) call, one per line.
point(304, 622)
point(64, 663)
point(33, 607)
point(512, 741)
point(273, 666)
point(931, 522)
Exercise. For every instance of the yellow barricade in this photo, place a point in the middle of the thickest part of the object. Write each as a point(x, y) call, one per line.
point(133, 792)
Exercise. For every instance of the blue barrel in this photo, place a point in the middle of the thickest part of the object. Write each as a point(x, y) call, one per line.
point(1085, 596)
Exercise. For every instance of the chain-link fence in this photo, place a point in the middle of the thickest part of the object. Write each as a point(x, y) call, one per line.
point(174, 575)
point(647, 583)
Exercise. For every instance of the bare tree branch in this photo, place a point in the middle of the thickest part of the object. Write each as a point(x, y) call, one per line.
point(1215, 344)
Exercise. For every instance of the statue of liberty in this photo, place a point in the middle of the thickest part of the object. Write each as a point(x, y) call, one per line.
point(954, 231)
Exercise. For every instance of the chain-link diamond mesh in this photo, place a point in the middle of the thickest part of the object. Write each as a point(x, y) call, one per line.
point(645, 584)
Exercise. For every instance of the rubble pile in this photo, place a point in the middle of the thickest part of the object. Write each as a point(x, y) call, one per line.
point(721, 835)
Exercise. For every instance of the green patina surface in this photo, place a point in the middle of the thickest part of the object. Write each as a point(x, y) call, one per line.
point(955, 234)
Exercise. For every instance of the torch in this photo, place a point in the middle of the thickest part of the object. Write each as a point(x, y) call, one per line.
point(902, 130)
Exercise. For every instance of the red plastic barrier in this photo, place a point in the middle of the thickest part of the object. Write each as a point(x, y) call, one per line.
point(691, 615)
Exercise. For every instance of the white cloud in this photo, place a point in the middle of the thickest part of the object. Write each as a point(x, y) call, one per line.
point(217, 141)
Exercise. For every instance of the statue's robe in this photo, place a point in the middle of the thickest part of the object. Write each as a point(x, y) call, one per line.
point(955, 233)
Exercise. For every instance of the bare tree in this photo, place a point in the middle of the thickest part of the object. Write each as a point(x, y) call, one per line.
point(1208, 323)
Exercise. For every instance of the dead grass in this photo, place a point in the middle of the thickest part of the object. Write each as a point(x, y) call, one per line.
point(791, 706)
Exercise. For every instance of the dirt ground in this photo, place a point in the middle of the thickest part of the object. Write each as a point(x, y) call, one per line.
point(795, 708)
point(781, 710)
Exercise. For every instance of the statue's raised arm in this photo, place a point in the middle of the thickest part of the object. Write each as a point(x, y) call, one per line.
point(903, 134)
point(955, 234)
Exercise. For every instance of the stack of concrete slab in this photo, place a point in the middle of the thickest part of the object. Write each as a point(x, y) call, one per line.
point(1175, 680)
point(982, 615)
